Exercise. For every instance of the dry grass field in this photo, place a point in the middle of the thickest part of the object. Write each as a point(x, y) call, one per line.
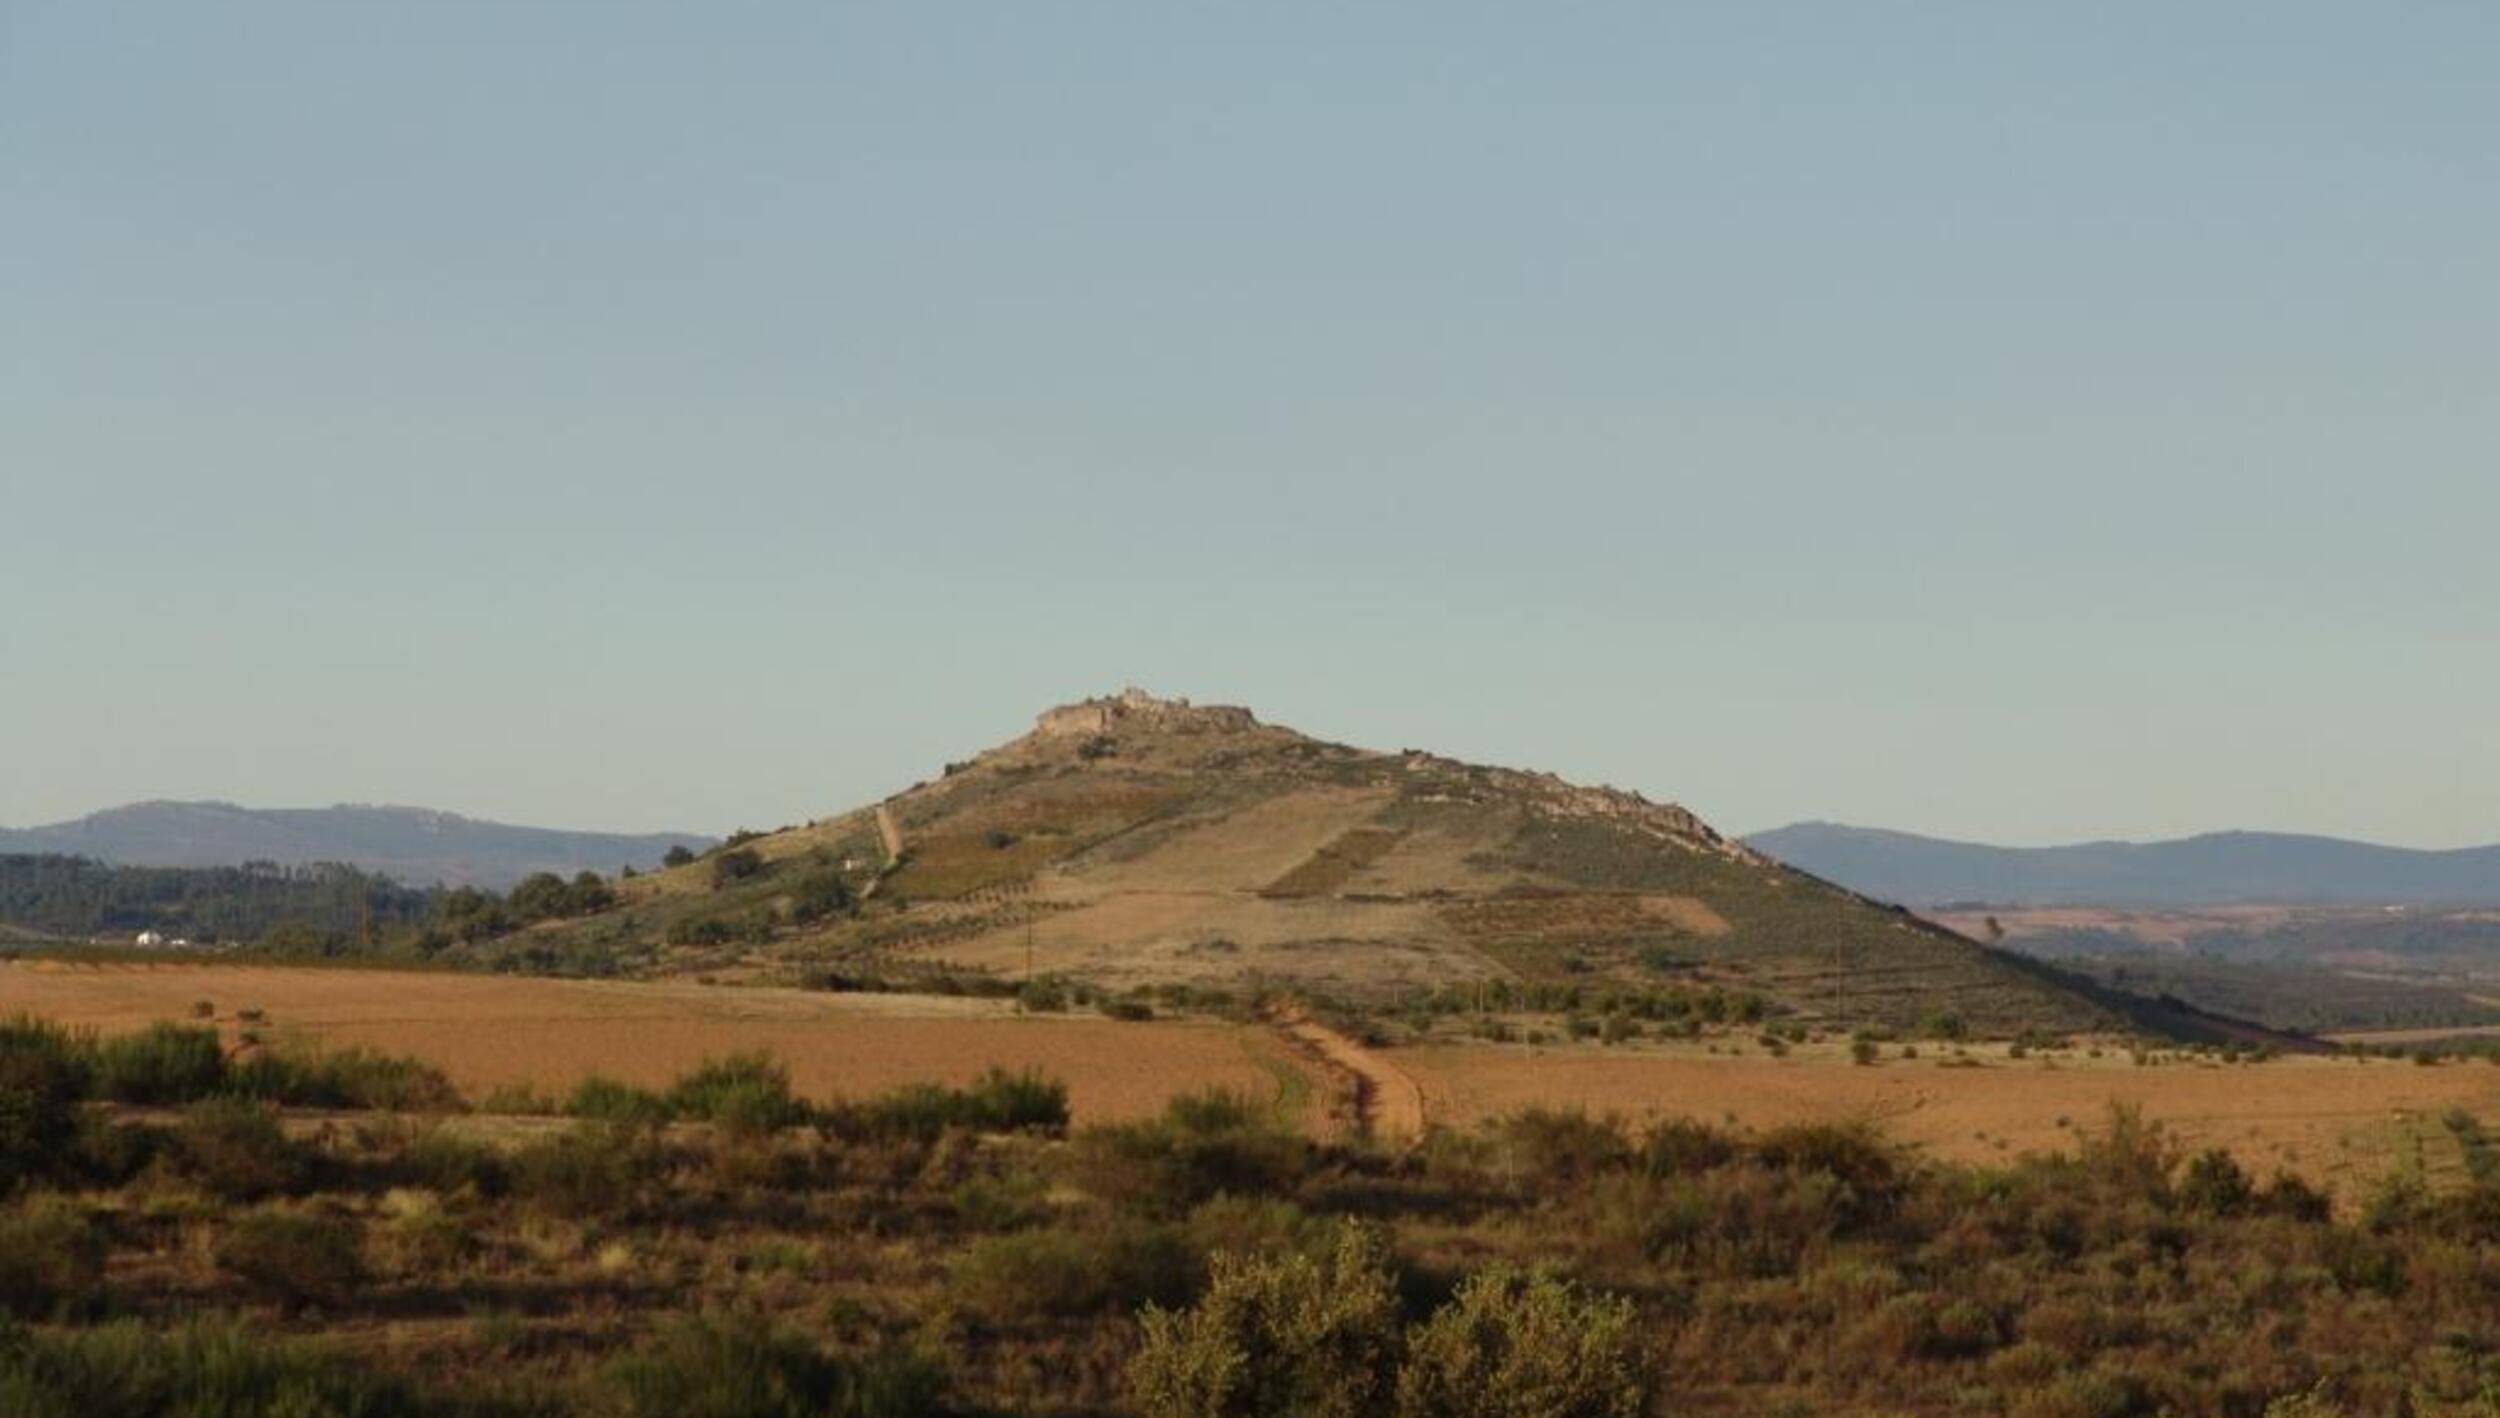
point(487, 1032)
point(2335, 1122)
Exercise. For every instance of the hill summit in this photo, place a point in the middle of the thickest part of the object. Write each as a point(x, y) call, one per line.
point(1131, 840)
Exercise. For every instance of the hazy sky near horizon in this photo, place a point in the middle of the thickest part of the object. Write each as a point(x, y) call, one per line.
point(2018, 422)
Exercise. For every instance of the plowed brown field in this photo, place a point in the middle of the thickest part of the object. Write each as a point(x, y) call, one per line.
point(488, 1031)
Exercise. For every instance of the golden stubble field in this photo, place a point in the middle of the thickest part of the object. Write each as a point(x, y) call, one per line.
point(2333, 1121)
point(488, 1031)
point(2336, 1122)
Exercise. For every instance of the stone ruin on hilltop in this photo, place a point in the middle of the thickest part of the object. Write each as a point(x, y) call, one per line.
point(1134, 708)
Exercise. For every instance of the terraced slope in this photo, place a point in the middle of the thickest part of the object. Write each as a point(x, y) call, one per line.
point(1138, 841)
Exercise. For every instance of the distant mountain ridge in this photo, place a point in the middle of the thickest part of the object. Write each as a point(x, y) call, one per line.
point(2216, 869)
point(419, 846)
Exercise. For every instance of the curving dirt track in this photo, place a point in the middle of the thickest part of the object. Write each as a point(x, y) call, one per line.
point(1387, 1103)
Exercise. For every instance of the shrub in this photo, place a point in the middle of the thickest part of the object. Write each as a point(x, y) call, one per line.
point(819, 895)
point(743, 1093)
point(595, 1170)
point(1550, 1147)
point(1132, 1010)
point(1046, 995)
point(603, 1099)
point(1676, 1146)
point(423, 1236)
point(736, 865)
point(43, 1072)
point(1251, 1225)
point(293, 1257)
point(700, 930)
point(999, 1102)
point(1025, 1100)
point(1010, 1279)
point(2288, 1196)
point(1851, 1152)
point(235, 1148)
point(50, 1252)
point(201, 1369)
point(2214, 1184)
point(710, 1366)
point(677, 856)
point(444, 1162)
point(163, 1063)
point(1204, 1144)
point(1510, 1345)
point(2130, 1156)
point(355, 1077)
point(1276, 1335)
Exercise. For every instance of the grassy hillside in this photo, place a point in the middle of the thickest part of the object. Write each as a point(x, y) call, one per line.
point(1140, 844)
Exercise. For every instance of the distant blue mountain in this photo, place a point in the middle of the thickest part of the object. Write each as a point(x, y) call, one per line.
point(2218, 869)
point(416, 845)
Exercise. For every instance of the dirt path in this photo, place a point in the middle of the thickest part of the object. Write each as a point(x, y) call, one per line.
point(890, 835)
point(1387, 1104)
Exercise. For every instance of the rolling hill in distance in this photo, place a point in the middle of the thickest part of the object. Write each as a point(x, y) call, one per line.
point(2216, 869)
point(414, 845)
point(1131, 841)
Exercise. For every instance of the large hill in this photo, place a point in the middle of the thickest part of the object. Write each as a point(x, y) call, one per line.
point(2217, 869)
point(413, 845)
point(1137, 841)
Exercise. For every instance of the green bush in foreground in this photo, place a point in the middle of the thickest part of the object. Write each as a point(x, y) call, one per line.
point(1512, 1345)
point(1290, 1334)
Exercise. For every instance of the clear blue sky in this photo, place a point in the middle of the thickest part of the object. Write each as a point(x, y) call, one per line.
point(2015, 421)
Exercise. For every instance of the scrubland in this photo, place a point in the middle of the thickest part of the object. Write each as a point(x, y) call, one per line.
point(287, 1230)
